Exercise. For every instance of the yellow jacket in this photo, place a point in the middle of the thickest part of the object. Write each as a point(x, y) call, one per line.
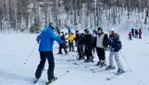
point(71, 38)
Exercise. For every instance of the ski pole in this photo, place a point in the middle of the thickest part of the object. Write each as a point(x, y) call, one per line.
point(125, 60)
point(30, 53)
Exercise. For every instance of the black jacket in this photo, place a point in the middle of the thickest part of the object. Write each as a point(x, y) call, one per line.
point(63, 37)
point(80, 39)
point(115, 44)
point(88, 40)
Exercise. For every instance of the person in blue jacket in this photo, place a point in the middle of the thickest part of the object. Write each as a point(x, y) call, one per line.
point(115, 46)
point(46, 40)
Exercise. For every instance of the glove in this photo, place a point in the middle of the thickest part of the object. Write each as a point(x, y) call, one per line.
point(106, 48)
point(37, 41)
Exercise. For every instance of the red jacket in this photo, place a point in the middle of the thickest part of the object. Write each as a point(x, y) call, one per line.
point(140, 31)
point(130, 33)
point(76, 37)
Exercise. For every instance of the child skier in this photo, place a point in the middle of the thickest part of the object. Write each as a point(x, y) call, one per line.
point(62, 36)
point(94, 35)
point(76, 37)
point(140, 33)
point(133, 32)
point(136, 33)
point(130, 35)
point(71, 38)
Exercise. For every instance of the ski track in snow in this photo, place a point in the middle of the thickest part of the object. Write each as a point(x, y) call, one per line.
point(15, 48)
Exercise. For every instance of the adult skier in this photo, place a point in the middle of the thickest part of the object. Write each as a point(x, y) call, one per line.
point(115, 45)
point(88, 40)
point(80, 46)
point(46, 40)
point(101, 45)
point(133, 32)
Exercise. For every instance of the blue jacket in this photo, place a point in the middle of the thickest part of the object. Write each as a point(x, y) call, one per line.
point(115, 44)
point(69, 30)
point(46, 39)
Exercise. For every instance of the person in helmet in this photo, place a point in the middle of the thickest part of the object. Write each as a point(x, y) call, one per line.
point(115, 46)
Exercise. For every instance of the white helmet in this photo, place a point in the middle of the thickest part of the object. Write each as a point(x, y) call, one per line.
point(112, 29)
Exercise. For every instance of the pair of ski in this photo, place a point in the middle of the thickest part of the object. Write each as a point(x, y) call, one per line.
point(95, 70)
point(48, 83)
point(55, 79)
point(79, 63)
point(111, 77)
point(116, 75)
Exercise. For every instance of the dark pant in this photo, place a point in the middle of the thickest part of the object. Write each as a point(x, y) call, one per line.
point(76, 43)
point(62, 47)
point(94, 49)
point(130, 37)
point(140, 36)
point(133, 34)
point(71, 47)
point(136, 35)
point(80, 51)
point(88, 52)
point(43, 56)
point(101, 53)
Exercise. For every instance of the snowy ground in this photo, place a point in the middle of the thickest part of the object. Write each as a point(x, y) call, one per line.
point(15, 48)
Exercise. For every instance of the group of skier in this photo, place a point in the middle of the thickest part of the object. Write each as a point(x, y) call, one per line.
point(86, 44)
point(98, 41)
point(135, 33)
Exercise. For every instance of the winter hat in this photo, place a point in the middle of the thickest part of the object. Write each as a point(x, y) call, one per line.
point(99, 28)
point(86, 30)
point(51, 25)
point(77, 31)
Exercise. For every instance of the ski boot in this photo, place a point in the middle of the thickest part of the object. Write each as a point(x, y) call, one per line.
point(36, 80)
point(110, 68)
point(98, 63)
point(52, 80)
point(102, 64)
point(120, 71)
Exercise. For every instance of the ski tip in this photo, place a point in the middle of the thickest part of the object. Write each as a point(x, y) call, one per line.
point(108, 79)
point(35, 81)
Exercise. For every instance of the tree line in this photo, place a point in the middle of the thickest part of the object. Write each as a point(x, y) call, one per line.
point(31, 15)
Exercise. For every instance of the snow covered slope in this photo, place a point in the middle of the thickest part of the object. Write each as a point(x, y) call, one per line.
point(15, 48)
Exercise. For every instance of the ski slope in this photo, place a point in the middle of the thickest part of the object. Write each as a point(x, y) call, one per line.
point(15, 48)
